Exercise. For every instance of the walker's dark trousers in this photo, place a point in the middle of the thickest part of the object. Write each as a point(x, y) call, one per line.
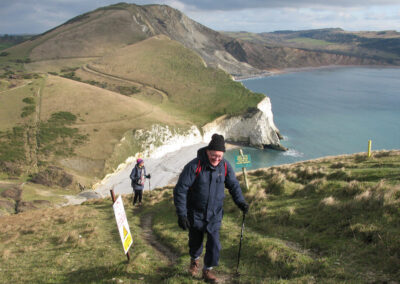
point(213, 246)
point(138, 194)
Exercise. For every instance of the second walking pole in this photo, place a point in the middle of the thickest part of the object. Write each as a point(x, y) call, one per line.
point(240, 244)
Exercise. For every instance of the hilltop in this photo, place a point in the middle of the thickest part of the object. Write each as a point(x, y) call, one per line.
point(106, 29)
point(331, 220)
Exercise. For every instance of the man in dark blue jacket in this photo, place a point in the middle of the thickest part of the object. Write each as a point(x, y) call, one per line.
point(199, 197)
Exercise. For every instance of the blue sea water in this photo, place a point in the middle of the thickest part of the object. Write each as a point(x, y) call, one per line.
point(332, 111)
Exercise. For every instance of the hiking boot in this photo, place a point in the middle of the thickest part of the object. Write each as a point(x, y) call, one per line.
point(209, 277)
point(194, 267)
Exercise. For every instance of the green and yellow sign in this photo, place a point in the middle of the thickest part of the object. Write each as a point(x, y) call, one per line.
point(242, 161)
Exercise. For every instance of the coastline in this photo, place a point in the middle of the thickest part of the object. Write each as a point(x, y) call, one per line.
point(273, 72)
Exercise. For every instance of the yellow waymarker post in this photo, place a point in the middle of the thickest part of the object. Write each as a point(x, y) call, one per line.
point(369, 148)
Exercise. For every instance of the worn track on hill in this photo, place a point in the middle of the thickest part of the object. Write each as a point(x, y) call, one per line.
point(92, 70)
point(164, 252)
point(15, 88)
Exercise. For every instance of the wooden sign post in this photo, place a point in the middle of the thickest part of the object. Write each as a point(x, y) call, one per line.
point(122, 223)
point(243, 161)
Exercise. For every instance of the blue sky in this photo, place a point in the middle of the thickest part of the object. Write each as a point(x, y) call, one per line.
point(38, 16)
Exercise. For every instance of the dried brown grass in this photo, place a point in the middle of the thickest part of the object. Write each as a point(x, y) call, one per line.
point(315, 185)
point(71, 237)
point(329, 201)
point(353, 187)
point(7, 254)
point(276, 183)
point(392, 196)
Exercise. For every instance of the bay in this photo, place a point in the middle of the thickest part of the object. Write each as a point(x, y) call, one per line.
point(331, 111)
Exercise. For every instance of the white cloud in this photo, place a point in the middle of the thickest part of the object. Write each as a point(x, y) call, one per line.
point(37, 16)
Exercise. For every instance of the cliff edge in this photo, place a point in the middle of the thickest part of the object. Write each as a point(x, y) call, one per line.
point(255, 128)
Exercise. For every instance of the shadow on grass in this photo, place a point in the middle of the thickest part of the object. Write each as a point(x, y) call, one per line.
point(106, 274)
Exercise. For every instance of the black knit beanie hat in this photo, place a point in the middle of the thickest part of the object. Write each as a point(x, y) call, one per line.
point(217, 143)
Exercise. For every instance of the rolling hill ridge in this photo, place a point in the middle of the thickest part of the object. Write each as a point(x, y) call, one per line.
point(106, 29)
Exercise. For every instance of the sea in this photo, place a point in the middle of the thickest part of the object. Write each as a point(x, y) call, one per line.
point(329, 111)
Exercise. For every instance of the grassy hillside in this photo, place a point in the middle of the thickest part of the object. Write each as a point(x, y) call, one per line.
point(332, 220)
point(57, 121)
point(194, 91)
point(7, 41)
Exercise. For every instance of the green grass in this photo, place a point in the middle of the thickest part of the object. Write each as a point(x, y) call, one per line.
point(12, 101)
point(309, 42)
point(54, 137)
point(195, 92)
point(32, 192)
point(4, 46)
point(12, 144)
point(58, 139)
point(302, 227)
point(74, 245)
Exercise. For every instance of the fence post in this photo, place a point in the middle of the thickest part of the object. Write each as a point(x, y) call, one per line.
point(369, 148)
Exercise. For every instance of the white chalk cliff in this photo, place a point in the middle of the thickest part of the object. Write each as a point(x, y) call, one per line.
point(160, 140)
point(255, 128)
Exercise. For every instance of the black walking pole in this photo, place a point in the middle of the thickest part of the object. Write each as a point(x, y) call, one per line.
point(150, 191)
point(240, 245)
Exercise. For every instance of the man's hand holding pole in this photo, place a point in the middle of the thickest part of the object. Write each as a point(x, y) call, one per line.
point(244, 207)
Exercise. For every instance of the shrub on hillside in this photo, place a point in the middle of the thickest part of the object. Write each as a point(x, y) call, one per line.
point(12, 149)
point(53, 176)
point(128, 90)
point(29, 100)
point(62, 117)
point(28, 110)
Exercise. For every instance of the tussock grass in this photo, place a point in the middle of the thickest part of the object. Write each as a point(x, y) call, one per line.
point(313, 230)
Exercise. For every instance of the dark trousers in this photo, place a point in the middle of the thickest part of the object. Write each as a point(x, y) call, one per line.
point(213, 246)
point(138, 194)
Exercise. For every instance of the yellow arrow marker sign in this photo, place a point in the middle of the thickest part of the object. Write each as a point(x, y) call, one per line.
point(125, 232)
point(127, 242)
